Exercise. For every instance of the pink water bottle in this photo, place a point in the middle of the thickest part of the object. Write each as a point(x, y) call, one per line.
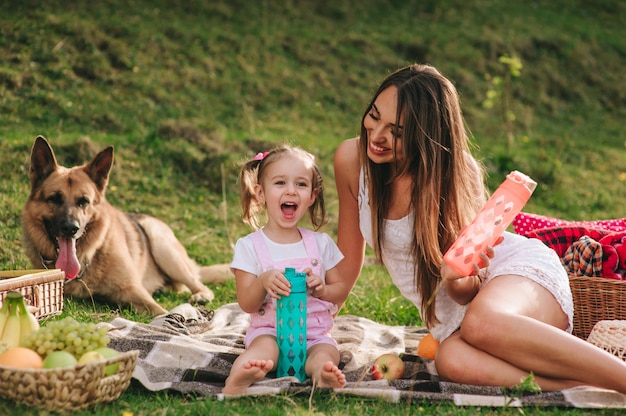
point(505, 203)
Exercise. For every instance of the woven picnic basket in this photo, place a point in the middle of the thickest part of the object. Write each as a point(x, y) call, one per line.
point(42, 289)
point(596, 299)
point(610, 335)
point(67, 389)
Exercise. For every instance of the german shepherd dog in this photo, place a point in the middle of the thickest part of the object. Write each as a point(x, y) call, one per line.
point(105, 253)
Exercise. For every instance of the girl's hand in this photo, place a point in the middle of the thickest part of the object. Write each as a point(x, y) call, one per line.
point(275, 283)
point(314, 282)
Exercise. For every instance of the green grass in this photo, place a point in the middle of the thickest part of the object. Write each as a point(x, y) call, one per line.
point(187, 90)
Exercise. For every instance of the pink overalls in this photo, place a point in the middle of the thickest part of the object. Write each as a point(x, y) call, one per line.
point(319, 316)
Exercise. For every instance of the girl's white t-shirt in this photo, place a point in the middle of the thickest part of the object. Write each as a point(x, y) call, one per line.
point(245, 257)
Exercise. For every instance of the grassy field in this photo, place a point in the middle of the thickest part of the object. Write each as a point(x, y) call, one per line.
point(185, 91)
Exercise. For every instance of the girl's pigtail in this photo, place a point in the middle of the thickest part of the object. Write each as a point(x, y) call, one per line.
point(250, 206)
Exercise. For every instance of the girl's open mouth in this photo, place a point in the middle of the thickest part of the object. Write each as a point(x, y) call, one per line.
point(288, 209)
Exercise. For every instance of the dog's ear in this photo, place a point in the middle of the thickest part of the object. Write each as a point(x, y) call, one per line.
point(100, 167)
point(42, 162)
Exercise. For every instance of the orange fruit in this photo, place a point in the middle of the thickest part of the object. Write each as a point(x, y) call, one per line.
point(19, 357)
point(427, 347)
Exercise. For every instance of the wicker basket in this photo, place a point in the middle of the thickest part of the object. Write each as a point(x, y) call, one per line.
point(42, 289)
point(610, 336)
point(63, 389)
point(596, 299)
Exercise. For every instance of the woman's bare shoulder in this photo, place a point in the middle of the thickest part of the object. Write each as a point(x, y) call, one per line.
point(347, 151)
point(347, 169)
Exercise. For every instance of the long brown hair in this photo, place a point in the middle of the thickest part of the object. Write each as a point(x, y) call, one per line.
point(447, 183)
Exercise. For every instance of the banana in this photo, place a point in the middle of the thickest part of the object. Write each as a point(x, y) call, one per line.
point(4, 314)
point(11, 332)
point(28, 322)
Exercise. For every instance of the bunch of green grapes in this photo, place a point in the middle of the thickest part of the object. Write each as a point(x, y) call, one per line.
point(69, 335)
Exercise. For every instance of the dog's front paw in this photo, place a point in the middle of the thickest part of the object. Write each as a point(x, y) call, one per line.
point(202, 297)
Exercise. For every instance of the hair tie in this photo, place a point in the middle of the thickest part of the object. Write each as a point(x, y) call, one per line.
point(260, 156)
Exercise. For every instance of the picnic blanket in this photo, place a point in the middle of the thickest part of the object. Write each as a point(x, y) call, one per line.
point(191, 350)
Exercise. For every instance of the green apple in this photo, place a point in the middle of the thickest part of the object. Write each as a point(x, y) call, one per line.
point(59, 359)
point(90, 356)
point(107, 353)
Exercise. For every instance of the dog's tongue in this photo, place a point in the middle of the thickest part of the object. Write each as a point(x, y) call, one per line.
point(67, 260)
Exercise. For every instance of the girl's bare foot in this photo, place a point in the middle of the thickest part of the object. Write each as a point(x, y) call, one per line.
point(331, 376)
point(250, 372)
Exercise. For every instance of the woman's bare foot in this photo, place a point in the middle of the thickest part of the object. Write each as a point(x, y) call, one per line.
point(250, 372)
point(331, 376)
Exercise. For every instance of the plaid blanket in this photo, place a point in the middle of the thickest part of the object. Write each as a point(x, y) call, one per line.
point(191, 350)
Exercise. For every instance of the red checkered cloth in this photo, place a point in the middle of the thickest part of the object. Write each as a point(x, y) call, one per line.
point(560, 239)
point(586, 248)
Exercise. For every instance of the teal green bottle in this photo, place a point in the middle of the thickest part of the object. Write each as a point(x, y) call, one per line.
point(291, 327)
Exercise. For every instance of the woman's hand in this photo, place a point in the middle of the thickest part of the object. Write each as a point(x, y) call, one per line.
point(463, 288)
point(448, 273)
point(275, 283)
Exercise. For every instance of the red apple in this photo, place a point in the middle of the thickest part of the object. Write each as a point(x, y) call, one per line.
point(388, 366)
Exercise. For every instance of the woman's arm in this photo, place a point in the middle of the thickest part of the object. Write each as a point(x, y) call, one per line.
point(461, 289)
point(349, 238)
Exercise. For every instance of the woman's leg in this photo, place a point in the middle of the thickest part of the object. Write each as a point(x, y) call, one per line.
point(514, 326)
point(321, 366)
point(253, 365)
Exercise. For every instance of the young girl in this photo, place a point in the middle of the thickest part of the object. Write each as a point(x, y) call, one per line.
point(407, 186)
point(287, 184)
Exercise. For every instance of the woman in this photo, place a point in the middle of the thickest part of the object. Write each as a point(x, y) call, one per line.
point(407, 186)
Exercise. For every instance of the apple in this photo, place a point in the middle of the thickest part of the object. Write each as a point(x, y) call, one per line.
point(107, 353)
point(59, 359)
point(389, 367)
point(90, 356)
